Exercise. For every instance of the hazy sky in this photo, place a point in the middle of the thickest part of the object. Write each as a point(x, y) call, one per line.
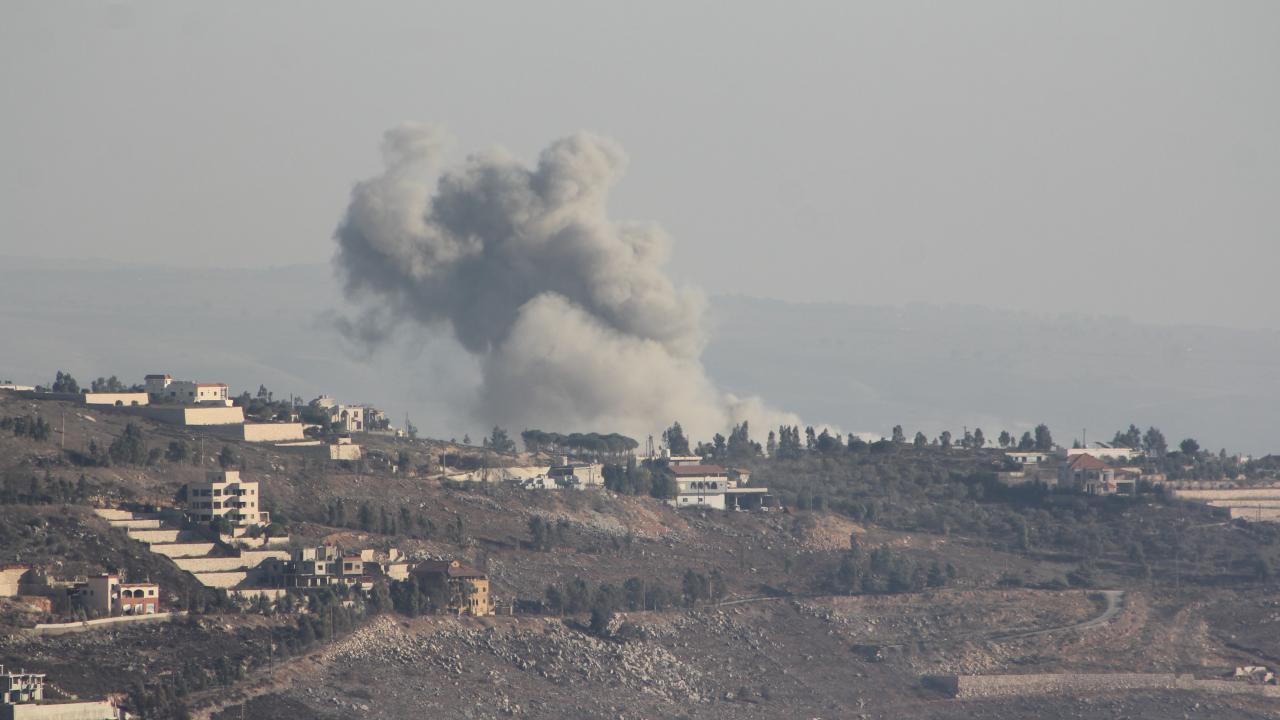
point(1098, 157)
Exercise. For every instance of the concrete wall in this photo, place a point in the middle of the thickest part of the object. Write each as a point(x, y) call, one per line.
point(9, 580)
point(1230, 494)
point(136, 524)
point(123, 399)
point(73, 627)
point(273, 432)
point(178, 415)
point(223, 579)
point(179, 550)
point(985, 686)
point(1253, 512)
point(248, 559)
point(155, 536)
point(96, 710)
point(344, 452)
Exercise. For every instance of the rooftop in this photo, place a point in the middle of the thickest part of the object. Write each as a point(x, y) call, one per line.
point(698, 470)
point(1087, 462)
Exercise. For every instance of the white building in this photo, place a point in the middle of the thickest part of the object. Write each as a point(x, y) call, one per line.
point(162, 388)
point(1106, 451)
point(700, 486)
point(1029, 457)
point(225, 495)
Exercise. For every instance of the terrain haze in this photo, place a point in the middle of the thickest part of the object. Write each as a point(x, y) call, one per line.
point(861, 368)
point(1088, 157)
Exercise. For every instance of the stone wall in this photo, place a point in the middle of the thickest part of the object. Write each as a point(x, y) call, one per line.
point(272, 432)
point(987, 686)
point(222, 579)
point(177, 550)
point(72, 627)
point(99, 710)
point(247, 559)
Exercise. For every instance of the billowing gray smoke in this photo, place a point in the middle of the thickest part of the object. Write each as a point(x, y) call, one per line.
point(574, 322)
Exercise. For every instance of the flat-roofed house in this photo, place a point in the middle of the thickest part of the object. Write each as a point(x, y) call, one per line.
point(106, 595)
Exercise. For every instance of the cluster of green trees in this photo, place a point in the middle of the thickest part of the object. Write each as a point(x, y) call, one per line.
point(16, 489)
point(405, 521)
point(32, 426)
point(885, 571)
point(636, 593)
point(787, 443)
point(737, 447)
point(130, 448)
point(411, 597)
point(499, 441)
point(544, 534)
point(634, 478)
point(64, 383)
point(592, 444)
point(112, 385)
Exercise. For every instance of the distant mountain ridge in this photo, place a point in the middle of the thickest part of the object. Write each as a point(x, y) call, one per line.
point(864, 368)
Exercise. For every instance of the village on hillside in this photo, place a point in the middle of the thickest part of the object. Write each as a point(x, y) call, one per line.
point(211, 535)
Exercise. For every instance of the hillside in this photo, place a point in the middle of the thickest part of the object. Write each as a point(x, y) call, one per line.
point(786, 637)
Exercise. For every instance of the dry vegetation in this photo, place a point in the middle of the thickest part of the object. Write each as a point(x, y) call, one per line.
point(782, 644)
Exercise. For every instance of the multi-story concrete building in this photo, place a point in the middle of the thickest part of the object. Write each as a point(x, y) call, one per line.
point(717, 488)
point(105, 595)
point(326, 565)
point(20, 687)
point(701, 486)
point(224, 495)
point(467, 588)
point(22, 698)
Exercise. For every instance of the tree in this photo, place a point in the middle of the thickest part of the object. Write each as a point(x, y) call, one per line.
point(111, 384)
point(1005, 439)
point(64, 383)
point(945, 439)
point(1027, 442)
point(177, 452)
point(1154, 443)
point(410, 429)
point(898, 435)
point(130, 448)
point(979, 440)
point(673, 437)
point(499, 441)
point(1189, 447)
point(1131, 438)
point(1044, 440)
point(227, 457)
point(920, 440)
point(771, 446)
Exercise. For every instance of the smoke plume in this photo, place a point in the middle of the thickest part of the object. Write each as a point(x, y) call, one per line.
point(574, 322)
